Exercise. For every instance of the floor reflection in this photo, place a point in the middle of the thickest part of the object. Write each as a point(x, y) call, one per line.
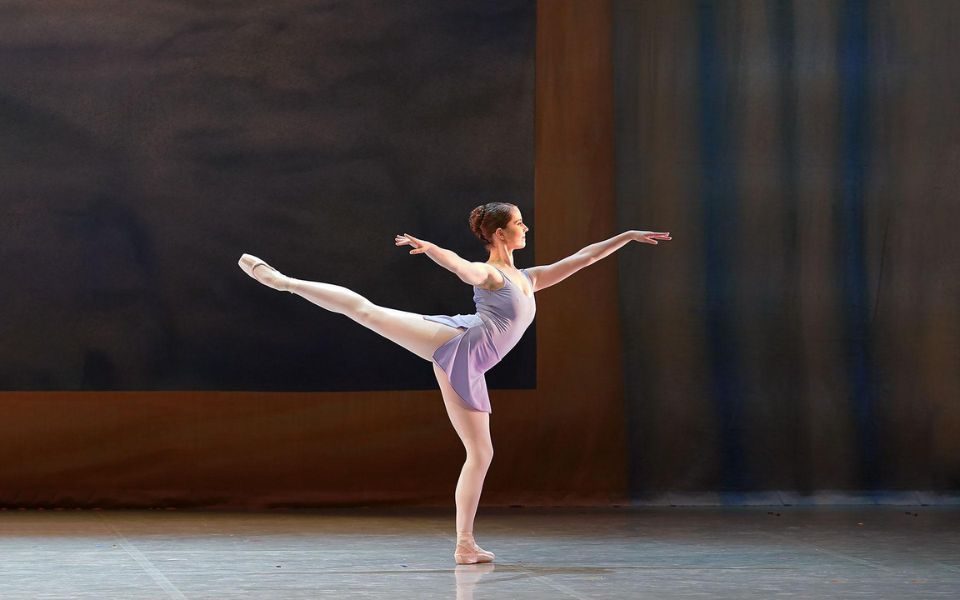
point(468, 576)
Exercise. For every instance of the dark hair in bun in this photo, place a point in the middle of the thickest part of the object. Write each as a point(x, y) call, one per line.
point(487, 218)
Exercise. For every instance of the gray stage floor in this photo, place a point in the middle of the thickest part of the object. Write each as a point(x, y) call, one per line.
point(853, 552)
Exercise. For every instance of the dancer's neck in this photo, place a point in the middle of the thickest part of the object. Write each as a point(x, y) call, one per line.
point(501, 257)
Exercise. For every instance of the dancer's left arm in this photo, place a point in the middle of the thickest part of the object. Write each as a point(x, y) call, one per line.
point(552, 274)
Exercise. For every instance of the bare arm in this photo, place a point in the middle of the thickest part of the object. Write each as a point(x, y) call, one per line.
point(468, 272)
point(552, 274)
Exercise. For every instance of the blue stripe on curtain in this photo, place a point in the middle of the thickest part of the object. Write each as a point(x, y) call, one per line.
point(854, 156)
point(718, 196)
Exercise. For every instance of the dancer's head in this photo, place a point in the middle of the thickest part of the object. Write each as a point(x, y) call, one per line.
point(499, 224)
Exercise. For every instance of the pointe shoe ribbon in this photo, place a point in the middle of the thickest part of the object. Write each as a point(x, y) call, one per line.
point(471, 554)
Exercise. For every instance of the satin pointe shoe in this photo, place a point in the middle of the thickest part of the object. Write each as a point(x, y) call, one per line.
point(269, 276)
point(469, 553)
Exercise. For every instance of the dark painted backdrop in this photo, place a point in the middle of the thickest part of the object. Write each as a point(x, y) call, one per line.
point(145, 145)
point(559, 443)
point(805, 333)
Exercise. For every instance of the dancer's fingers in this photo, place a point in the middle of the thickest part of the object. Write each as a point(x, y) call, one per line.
point(651, 236)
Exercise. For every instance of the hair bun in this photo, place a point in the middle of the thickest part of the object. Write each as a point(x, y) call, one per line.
point(476, 223)
point(498, 215)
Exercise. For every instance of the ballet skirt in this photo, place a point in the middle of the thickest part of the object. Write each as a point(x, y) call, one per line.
point(502, 317)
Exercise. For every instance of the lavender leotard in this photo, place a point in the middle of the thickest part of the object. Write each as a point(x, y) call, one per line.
point(502, 317)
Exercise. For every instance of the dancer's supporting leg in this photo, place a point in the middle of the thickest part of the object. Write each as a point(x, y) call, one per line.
point(409, 330)
point(473, 427)
point(422, 337)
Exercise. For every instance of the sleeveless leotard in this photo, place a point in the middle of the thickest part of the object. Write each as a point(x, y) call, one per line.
point(501, 318)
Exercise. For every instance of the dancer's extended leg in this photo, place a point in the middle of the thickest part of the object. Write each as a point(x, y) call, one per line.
point(473, 427)
point(422, 337)
point(410, 330)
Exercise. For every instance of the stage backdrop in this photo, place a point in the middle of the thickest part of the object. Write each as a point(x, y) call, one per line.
point(559, 443)
point(804, 334)
point(145, 145)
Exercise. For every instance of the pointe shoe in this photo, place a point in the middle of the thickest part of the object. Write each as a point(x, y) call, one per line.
point(249, 263)
point(469, 553)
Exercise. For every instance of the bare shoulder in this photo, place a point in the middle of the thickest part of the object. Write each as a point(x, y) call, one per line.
point(494, 279)
point(532, 273)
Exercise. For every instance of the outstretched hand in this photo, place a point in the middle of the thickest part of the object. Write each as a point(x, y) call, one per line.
point(651, 237)
point(419, 246)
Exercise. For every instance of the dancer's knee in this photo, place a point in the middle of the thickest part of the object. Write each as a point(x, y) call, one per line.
point(366, 313)
point(480, 457)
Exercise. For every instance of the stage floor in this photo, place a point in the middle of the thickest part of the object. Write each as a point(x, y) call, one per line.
point(808, 552)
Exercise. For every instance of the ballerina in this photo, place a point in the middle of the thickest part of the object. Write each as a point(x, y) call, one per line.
point(462, 347)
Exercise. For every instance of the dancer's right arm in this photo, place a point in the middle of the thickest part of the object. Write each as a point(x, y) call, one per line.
point(468, 272)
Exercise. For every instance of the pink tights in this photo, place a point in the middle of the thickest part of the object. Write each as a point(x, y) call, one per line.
point(422, 337)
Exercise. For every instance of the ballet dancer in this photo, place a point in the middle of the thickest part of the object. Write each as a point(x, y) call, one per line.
point(462, 347)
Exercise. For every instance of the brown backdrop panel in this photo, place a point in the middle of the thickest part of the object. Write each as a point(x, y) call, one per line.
point(560, 443)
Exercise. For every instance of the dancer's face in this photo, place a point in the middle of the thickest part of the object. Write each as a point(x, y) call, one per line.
point(514, 235)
